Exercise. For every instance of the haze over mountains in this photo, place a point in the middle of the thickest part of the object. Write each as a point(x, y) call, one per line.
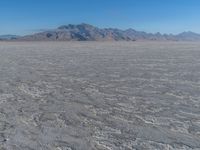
point(87, 32)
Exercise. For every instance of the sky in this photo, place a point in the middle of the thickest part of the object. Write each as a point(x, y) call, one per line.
point(166, 16)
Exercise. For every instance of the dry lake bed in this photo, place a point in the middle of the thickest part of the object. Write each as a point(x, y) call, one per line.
point(99, 96)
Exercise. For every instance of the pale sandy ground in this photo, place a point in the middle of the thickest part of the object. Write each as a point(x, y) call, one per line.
point(99, 96)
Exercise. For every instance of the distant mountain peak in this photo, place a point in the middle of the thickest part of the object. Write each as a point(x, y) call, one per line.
point(86, 25)
point(71, 26)
point(188, 33)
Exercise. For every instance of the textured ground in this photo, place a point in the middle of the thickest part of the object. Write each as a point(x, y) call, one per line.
point(104, 96)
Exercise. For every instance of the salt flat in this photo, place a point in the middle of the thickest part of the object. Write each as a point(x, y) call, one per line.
point(99, 95)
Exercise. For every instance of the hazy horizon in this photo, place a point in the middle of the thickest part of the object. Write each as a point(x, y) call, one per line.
point(30, 16)
point(34, 31)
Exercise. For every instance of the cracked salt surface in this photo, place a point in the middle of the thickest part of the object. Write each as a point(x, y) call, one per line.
point(99, 95)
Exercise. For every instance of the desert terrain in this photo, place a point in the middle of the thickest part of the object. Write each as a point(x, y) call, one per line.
point(99, 95)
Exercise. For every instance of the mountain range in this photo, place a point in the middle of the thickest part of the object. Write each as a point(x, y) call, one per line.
point(87, 32)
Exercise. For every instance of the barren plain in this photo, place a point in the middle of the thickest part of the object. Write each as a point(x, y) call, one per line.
point(99, 96)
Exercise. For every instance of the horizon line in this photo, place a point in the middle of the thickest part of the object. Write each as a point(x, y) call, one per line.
point(35, 31)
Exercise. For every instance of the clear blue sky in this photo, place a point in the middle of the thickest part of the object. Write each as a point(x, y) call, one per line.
point(165, 16)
